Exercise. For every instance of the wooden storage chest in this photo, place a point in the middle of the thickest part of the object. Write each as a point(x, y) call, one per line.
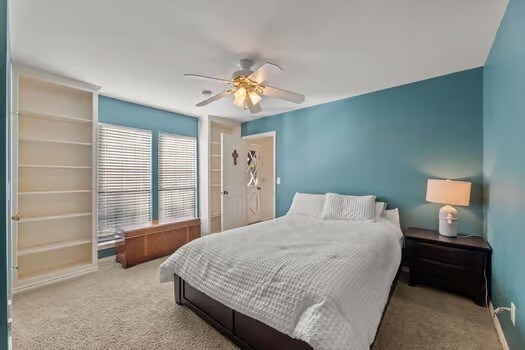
point(157, 240)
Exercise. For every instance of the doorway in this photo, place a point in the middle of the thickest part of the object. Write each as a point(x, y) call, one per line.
point(247, 179)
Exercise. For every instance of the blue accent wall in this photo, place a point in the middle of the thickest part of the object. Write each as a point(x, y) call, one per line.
point(104, 253)
point(504, 167)
point(387, 143)
point(113, 111)
point(4, 97)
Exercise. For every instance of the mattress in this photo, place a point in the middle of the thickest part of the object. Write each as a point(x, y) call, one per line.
point(324, 282)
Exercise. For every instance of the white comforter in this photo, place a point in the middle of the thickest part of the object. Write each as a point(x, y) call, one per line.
point(324, 282)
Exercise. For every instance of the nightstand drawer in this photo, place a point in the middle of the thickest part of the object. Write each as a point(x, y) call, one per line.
point(449, 277)
point(448, 255)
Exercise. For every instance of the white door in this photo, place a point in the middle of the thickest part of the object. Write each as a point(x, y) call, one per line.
point(253, 213)
point(234, 177)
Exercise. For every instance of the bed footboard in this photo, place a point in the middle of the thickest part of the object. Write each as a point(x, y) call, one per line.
point(245, 332)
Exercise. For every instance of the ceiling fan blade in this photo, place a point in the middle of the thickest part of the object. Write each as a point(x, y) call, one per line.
point(263, 73)
point(253, 108)
point(283, 94)
point(204, 77)
point(214, 98)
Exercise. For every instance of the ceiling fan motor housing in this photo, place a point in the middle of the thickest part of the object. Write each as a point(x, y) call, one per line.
point(246, 68)
point(241, 73)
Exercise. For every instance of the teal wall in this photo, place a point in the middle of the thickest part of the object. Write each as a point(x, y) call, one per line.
point(113, 111)
point(4, 275)
point(387, 143)
point(504, 167)
point(104, 253)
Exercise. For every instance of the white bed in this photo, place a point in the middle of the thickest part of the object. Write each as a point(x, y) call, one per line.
point(325, 282)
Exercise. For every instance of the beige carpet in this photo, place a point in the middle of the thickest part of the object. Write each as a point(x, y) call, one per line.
point(129, 309)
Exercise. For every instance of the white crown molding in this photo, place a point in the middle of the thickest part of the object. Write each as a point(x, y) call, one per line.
point(33, 71)
point(150, 105)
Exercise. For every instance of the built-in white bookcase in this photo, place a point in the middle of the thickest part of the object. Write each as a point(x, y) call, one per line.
point(216, 129)
point(53, 179)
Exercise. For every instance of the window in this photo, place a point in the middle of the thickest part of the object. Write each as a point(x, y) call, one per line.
point(177, 177)
point(124, 179)
point(253, 168)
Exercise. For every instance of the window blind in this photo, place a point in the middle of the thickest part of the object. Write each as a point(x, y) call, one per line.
point(124, 179)
point(177, 177)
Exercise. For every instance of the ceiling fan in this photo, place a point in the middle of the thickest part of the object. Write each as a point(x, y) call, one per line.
point(248, 87)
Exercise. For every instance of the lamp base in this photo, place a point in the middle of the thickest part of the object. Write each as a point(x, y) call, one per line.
point(448, 221)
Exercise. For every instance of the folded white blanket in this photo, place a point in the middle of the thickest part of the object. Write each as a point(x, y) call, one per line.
point(324, 282)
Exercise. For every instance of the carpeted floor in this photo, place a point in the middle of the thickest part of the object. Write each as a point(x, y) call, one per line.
point(129, 309)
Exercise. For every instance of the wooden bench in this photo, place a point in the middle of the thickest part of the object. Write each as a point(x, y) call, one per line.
point(138, 245)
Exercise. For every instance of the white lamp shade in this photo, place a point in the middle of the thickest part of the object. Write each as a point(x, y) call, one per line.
point(448, 192)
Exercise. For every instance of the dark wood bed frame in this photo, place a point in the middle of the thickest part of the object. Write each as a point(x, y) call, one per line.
point(245, 332)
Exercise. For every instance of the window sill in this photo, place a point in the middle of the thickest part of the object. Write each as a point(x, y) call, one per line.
point(107, 244)
point(112, 243)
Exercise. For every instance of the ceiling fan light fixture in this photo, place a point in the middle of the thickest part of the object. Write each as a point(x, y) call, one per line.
point(238, 103)
point(239, 97)
point(254, 97)
point(240, 93)
point(248, 87)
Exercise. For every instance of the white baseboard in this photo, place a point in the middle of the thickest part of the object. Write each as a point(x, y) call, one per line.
point(501, 335)
point(62, 275)
point(107, 258)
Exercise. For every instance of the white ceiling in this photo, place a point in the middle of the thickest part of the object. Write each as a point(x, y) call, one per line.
point(138, 50)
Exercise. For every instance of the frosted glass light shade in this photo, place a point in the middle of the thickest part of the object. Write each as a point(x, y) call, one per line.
point(239, 97)
point(448, 192)
point(254, 97)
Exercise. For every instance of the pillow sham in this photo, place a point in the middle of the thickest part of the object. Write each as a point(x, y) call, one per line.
point(341, 207)
point(380, 209)
point(392, 215)
point(307, 204)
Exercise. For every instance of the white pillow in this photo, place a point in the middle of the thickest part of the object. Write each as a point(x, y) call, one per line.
point(340, 207)
point(307, 204)
point(380, 209)
point(392, 215)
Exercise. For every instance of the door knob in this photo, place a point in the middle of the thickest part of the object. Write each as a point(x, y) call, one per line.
point(224, 192)
point(16, 217)
point(259, 188)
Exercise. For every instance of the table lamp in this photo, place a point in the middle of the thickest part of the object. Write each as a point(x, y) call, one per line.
point(450, 193)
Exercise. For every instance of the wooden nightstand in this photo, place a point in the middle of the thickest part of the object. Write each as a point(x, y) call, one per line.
point(458, 265)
